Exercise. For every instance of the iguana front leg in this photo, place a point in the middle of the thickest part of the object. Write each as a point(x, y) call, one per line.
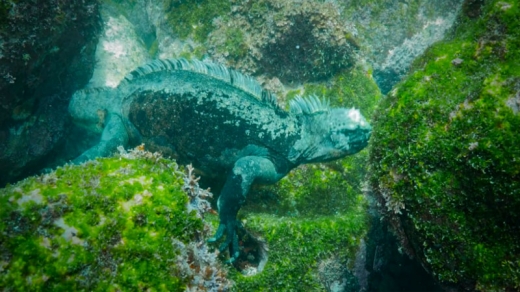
point(114, 134)
point(246, 171)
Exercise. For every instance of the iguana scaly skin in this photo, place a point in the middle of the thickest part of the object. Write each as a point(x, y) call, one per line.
point(220, 121)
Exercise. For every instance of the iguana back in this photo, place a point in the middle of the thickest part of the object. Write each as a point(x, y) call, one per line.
point(210, 117)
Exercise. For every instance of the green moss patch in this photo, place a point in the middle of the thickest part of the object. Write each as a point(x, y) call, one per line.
point(297, 248)
point(445, 159)
point(194, 18)
point(107, 225)
point(352, 88)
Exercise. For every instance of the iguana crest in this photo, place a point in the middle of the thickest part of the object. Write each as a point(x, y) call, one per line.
point(310, 105)
point(218, 71)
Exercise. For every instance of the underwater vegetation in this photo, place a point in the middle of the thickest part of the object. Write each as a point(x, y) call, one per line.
point(111, 224)
point(301, 248)
point(445, 154)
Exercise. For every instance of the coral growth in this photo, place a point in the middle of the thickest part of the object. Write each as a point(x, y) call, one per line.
point(118, 223)
point(201, 267)
point(197, 202)
point(445, 161)
point(295, 41)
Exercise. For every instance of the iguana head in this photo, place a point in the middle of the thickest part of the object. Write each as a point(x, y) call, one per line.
point(349, 130)
point(327, 134)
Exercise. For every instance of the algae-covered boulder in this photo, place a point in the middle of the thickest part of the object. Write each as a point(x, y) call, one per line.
point(445, 159)
point(309, 227)
point(295, 41)
point(113, 224)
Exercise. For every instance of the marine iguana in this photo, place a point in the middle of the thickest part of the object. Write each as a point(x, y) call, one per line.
point(220, 121)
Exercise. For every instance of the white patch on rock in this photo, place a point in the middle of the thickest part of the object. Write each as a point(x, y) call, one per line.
point(45, 242)
point(69, 232)
point(119, 51)
point(142, 180)
point(136, 200)
point(504, 5)
point(33, 196)
point(514, 103)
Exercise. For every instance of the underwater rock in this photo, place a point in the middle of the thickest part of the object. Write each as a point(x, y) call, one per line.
point(119, 50)
point(46, 53)
point(283, 38)
point(118, 223)
point(295, 41)
point(392, 33)
point(445, 156)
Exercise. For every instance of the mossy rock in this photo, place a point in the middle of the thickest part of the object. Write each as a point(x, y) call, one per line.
point(111, 224)
point(301, 247)
point(310, 224)
point(445, 157)
point(194, 18)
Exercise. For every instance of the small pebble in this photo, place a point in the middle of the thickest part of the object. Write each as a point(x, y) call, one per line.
point(457, 62)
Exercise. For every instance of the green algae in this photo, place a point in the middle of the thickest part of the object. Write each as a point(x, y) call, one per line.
point(105, 225)
point(351, 88)
point(445, 160)
point(194, 18)
point(297, 246)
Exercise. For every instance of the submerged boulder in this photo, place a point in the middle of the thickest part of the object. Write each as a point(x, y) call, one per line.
point(295, 41)
point(119, 223)
point(46, 53)
point(445, 157)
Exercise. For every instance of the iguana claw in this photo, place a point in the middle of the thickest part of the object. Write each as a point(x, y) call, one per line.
point(231, 242)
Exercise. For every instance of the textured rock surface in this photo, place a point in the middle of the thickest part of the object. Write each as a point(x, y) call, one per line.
point(46, 53)
point(295, 41)
point(393, 33)
point(312, 223)
point(119, 50)
point(445, 161)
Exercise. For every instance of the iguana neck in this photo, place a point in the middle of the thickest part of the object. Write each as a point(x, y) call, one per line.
point(315, 144)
